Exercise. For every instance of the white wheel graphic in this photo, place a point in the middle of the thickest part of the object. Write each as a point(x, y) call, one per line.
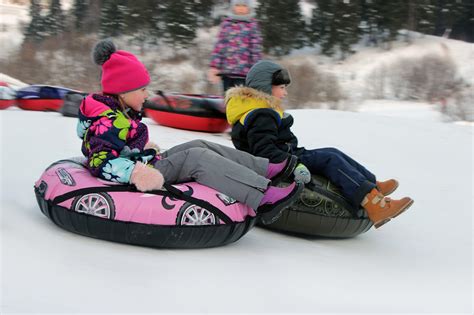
point(96, 204)
point(195, 215)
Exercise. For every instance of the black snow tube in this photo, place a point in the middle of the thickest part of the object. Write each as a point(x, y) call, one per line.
point(321, 210)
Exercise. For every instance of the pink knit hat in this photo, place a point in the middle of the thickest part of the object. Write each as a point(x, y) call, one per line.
point(121, 71)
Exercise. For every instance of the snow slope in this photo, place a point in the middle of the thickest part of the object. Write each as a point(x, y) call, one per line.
point(419, 263)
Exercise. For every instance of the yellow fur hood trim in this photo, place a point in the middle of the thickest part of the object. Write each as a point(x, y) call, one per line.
point(240, 101)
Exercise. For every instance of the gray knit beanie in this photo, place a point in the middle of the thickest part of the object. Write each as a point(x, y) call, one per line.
point(241, 2)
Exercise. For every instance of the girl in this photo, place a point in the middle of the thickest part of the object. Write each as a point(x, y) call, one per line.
point(260, 127)
point(115, 142)
point(238, 47)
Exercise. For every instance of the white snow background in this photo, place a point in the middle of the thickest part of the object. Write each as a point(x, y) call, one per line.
point(421, 262)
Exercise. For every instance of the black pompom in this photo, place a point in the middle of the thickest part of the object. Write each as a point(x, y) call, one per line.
point(102, 51)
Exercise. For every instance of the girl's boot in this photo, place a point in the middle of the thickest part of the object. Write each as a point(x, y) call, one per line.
point(275, 200)
point(381, 209)
point(387, 187)
point(281, 171)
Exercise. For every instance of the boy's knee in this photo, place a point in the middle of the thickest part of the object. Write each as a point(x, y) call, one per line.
point(333, 151)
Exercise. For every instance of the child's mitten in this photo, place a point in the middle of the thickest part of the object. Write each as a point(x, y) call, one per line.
point(146, 178)
point(302, 174)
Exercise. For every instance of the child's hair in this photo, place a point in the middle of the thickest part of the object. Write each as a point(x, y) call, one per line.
point(281, 77)
point(123, 106)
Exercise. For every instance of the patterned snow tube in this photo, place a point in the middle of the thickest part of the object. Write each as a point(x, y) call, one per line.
point(321, 210)
point(188, 111)
point(188, 215)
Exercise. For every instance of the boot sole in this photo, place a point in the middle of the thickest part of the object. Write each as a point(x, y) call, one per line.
point(408, 205)
point(274, 214)
point(403, 209)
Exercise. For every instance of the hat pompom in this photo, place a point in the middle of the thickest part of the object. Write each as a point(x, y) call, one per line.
point(103, 50)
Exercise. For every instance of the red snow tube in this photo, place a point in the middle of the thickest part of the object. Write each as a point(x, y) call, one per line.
point(6, 103)
point(42, 97)
point(7, 95)
point(188, 111)
point(40, 104)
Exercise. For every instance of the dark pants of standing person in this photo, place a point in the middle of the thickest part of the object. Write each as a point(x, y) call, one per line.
point(354, 180)
point(231, 81)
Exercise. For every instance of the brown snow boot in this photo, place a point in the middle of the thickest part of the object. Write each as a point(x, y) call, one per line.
point(381, 209)
point(387, 187)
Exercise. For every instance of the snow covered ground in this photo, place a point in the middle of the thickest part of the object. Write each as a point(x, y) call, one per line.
point(419, 263)
point(413, 110)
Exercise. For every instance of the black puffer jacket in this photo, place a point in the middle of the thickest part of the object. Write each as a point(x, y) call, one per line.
point(259, 125)
point(259, 129)
point(267, 135)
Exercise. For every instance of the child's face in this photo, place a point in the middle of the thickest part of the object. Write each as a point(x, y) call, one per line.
point(241, 9)
point(279, 91)
point(135, 99)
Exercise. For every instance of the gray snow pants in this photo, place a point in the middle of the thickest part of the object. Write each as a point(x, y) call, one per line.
point(235, 173)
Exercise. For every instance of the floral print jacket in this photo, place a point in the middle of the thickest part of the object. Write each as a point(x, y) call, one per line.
point(238, 47)
point(111, 141)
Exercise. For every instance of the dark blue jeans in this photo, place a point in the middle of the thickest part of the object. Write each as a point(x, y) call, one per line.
point(231, 81)
point(354, 180)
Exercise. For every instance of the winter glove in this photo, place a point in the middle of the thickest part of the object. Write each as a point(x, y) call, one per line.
point(302, 174)
point(146, 178)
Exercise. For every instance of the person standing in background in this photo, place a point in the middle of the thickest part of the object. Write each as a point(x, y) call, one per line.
point(238, 48)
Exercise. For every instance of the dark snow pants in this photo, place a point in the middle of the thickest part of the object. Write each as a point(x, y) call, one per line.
point(354, 180)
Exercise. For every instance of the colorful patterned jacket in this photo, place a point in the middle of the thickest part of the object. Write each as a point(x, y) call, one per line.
point(238, 47)
point(111, 141)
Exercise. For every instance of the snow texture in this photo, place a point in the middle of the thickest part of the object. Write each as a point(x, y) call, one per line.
point(420, 262)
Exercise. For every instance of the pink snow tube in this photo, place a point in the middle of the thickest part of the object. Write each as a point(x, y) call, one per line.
point(188, 215)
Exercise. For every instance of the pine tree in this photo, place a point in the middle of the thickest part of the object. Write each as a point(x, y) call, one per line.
point(36, 28)
point(54, 21)
point(139, 14)
point(335, 24)
point(142, 21)
point(318, 25)
point(453, 14)
point(463, 17)
point(282, 24)
point(425, 16)
point(179, 22)
point(155, 24)
point(79, 10)
point(386, 18)
point(323, 22)
point(112, 21)
point(91, 20)
point(203, 9)
point(346, 25)
point(371, 21)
